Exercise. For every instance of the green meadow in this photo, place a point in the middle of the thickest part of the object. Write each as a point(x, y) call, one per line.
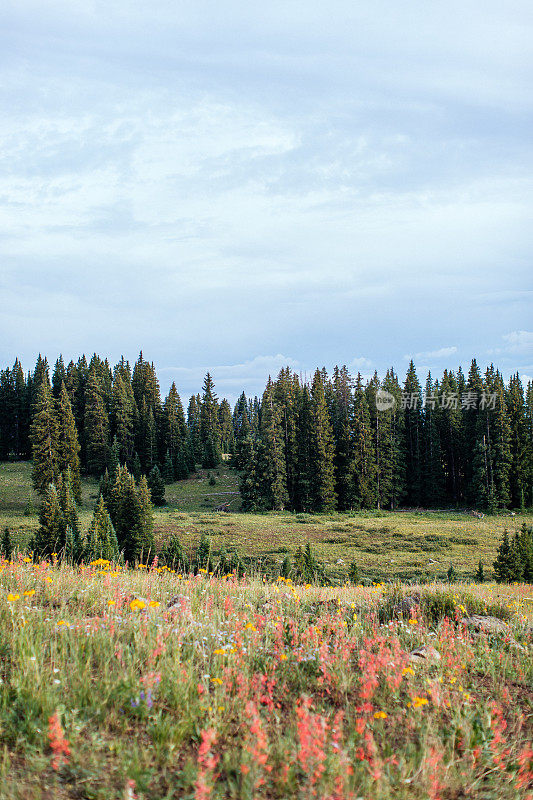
point(385, 545)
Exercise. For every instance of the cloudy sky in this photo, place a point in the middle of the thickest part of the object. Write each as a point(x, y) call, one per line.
point(237, 186)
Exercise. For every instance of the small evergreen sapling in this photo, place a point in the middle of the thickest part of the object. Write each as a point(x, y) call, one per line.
point(7, 545)
point(353, 573)
point(173, 556)
point(203, 554)
point(101, 539)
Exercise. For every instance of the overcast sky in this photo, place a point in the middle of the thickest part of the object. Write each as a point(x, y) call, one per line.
point(237, 186)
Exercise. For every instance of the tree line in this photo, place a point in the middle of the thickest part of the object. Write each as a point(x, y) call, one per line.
point(331, 444)
point(318, 445)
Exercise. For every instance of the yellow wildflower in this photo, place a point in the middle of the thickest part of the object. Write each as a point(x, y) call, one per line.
point(12, 597)
point(29, 592)
point(380, 715)
point(154, 604)
point(420, 701)
point(137, 604)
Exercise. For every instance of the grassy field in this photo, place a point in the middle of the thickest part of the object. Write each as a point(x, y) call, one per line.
point(147, 685)
point(142, 685)
point(407, 545)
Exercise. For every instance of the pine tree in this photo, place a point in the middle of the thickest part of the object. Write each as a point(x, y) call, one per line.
point(393, 449)
point(96, 427)
point(480, 575)
point(130, 510)
point(203, 554)
point(286, 567)
point(305, 474)
point(498, 429)
point(68, 449)
point(156, 486)
point(50, 537)
point(101, 541)
point(432, 470)
point(168, 469)
point(529, 450)
point(242, 429)
point(380, 425)
point(353, 573)
point(7, 545)
point(502, 564)
point(193, 425)
point(413, 437)
point(40, 373)
point(451, 574)
point(173, 556)
point(147, 543)
point(146, 437)
point(209, 427)
point(14, 421)
point(136, 467)
point(271, 465)
point(322, 449)
point(517, 416)
point(364, 456)
point(77, 399)
point(451, 436)
point(175, 429)
point(113, 460)
point(223, 562)
point(67, 501)
point(286, 391)
point(44, 440)
point(249, 482)
point(59, 376)
point(225, 426)
point(211, 455)
point(124, 413)
point(470, 411)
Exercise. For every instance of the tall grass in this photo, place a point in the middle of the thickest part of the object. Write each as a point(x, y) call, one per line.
point(150, 684)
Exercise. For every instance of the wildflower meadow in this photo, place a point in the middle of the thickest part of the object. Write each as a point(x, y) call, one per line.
point(150, 684)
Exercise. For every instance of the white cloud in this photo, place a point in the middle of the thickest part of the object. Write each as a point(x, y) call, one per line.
point(519, 341)
point(443, 352)
point(360, 362)
point(231, 379)
point(516, 343)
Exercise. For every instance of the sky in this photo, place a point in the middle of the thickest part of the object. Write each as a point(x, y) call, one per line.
point(237, 186)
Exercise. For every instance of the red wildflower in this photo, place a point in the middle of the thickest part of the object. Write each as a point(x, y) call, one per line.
point(58, 743)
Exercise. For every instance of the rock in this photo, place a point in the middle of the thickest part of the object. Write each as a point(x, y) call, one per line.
point(425, 655)
point(269, 607)
point(179, 603)
point(406, 605)
point(485, 624)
